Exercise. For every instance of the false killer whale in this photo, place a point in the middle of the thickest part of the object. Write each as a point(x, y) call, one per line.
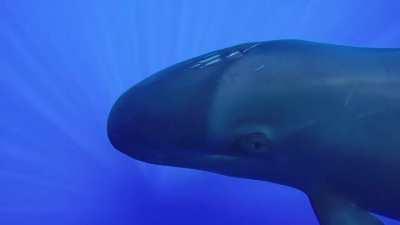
point(322, 118)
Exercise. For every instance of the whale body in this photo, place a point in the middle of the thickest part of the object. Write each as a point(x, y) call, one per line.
point(322, 118)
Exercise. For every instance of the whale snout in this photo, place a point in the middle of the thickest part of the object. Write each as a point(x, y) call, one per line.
point(125, 123)
point(161, 115)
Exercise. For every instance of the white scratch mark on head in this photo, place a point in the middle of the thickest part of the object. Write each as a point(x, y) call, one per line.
point(348, 98)
point(211, 62)
point(260, 68)
point(196, 65)
point(209, 59)
point(251, 47)
point(235, 53)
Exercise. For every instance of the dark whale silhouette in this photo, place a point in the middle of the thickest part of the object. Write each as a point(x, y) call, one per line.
point(321, 118)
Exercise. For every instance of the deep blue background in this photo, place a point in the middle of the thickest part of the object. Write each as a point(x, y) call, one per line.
point(64, 63)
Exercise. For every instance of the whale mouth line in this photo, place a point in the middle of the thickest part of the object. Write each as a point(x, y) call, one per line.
point(180, 158)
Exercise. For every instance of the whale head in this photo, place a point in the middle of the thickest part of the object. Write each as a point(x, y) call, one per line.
point(211, 113)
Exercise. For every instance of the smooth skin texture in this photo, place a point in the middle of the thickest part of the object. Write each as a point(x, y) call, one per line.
point(321, 118)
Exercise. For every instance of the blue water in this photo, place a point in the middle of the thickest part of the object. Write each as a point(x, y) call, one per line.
point(63, 64)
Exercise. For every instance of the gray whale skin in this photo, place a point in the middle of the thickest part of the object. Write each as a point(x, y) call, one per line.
point(321, 118)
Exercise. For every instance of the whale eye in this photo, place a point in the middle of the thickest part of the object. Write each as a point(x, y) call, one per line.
point(253, 143)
